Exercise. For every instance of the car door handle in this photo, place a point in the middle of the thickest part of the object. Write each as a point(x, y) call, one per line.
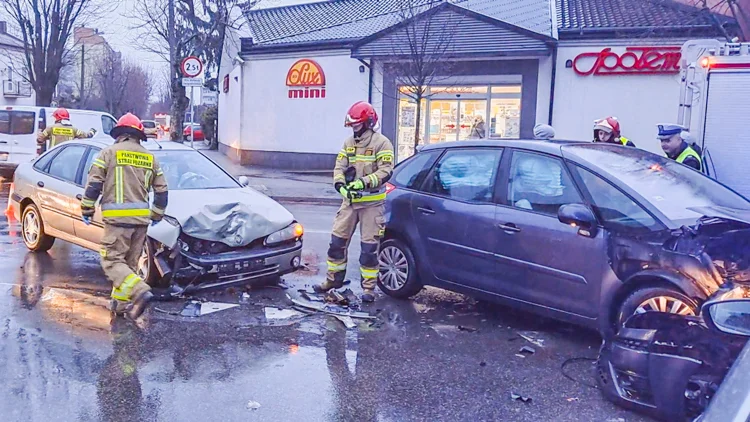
point(426, 210)
point(79, 197)
point(509, 227)
point(40, 184)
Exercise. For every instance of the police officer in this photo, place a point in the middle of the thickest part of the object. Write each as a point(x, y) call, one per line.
point(542, 131)
point(62, 130)
point(363, 166)
point(607, 130)
point(674, 143)
point(123, 174)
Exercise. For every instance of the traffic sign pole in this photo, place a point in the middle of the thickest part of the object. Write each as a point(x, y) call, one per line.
point(192, 116)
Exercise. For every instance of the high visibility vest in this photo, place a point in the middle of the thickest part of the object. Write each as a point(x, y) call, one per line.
point(624, 141)
point(689, 152)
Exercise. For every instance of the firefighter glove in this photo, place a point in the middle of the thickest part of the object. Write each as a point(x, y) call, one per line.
point(86, 220)
point(345, 192)
point(358, 184)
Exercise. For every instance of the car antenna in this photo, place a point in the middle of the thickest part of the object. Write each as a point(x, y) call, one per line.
point(157, 143)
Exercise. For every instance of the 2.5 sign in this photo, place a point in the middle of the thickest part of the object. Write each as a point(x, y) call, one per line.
point(191, 67)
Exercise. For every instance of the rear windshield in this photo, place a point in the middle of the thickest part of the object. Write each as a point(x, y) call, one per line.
point(192, 170)
point(670, 187)
point(17, 122)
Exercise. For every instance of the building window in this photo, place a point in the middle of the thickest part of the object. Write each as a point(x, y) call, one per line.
point(457, 113)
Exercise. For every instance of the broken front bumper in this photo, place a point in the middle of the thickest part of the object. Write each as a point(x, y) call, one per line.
point(240, 266)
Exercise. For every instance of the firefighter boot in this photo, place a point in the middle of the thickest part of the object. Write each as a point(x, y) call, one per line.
point(141, 296)
point(328, 285)
point(368, 296)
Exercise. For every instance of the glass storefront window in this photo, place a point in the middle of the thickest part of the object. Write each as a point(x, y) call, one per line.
point(457, 113)
point(407, 125)
point(507, 89)
point(458, 90)
point(505, 118)
point(473, 120)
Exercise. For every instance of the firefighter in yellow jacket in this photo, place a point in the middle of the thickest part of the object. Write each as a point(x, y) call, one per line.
point(123, 174)
point(62, 130)
point(363, 167)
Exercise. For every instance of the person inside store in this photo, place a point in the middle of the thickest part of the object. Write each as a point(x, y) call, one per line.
point(478, 130)
point(607, 130)
point(677, 144)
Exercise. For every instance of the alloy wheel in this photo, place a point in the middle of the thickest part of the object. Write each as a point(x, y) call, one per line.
point(394, 268)
point(31, 227)
point(665, 304)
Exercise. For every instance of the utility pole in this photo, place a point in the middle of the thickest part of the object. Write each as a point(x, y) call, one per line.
point(172, 65)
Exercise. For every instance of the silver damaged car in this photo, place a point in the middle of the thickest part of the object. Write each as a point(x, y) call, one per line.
point(217, 231)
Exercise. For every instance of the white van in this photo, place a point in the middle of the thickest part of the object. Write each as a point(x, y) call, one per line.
point(20, 125)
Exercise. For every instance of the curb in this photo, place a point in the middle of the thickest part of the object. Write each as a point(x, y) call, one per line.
point(307, 200)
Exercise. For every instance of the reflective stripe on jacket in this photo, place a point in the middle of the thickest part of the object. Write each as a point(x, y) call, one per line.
point(123, 174)
point(59, 133)
point(689, 152)
point(372, 158)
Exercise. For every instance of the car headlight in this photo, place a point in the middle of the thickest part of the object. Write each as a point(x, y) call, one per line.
point(293, 231)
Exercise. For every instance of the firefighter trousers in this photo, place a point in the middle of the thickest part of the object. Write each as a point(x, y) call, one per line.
point(371, 228)
point(121, 247)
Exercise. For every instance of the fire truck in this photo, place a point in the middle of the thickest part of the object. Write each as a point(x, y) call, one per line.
point(715, 107)
point(163, 120)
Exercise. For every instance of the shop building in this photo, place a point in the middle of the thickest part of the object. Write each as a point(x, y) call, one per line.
point(507, 66)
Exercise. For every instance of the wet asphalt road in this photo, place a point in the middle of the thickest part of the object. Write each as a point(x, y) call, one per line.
point(63, 359)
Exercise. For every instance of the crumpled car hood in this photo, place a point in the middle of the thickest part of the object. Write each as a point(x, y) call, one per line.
point(741, 216)
point(235, 217)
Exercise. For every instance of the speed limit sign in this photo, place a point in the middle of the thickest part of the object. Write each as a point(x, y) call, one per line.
point(191, 66)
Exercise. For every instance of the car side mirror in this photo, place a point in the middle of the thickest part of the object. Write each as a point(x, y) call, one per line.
point(728, 316)
point(578, 215)
point(244, 181)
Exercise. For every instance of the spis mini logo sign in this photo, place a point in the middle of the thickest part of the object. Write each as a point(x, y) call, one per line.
point(306, 79)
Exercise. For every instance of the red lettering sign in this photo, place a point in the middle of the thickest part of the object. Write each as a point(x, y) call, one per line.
point(634, 61)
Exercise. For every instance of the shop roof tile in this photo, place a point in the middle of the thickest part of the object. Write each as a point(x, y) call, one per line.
point(631, 14)
point(355, 19)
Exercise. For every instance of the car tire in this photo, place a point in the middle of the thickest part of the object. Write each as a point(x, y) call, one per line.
point(396, 258)
point(146, 268)
point(32, 230)
point(641, 297)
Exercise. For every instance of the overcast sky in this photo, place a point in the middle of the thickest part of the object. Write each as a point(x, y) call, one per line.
point(117, 30)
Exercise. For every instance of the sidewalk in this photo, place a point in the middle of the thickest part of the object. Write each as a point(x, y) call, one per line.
point(282, 186)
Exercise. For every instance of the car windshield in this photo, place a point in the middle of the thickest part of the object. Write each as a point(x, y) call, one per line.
point(149, 125)
point(670, 187)
point(191, 170)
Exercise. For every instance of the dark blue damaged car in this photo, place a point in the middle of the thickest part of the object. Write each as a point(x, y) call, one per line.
point(581, 232)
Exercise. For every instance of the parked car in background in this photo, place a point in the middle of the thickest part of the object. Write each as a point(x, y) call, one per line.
point(231, 234)
point(582, 232)
point(19, 126)
point(151, 128)
point(198, 132)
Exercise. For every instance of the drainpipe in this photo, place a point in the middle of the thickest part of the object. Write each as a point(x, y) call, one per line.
point(242, 110)
point(369, 79)
point(552, 86)
point(369, 84)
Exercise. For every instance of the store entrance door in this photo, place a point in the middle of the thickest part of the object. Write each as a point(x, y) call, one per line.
point(457, 120)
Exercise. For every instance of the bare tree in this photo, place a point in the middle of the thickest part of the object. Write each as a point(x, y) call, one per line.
point(123, 87)
point(45, 27)
point(422, 50)
point(175, 29)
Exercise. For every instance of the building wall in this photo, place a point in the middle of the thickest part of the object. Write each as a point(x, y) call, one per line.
point(292, 132)
point(11, 68)
point(544, 86)
point(639, 101)
point(476, 73)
